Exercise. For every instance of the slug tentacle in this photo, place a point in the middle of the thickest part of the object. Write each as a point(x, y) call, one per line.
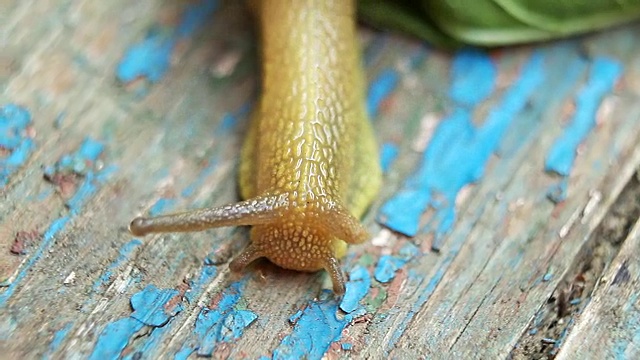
point(332, 266)
point(249, 255)
point(255, 211)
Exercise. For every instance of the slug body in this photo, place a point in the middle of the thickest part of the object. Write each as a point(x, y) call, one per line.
point(309, 166)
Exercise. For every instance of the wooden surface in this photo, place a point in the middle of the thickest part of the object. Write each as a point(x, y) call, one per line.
point(115, 108)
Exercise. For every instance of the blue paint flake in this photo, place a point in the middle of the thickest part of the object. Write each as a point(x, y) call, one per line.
point(80, 163)
point(347, 346)
point(388, 155)
point(473, 77)
point(15, 144)
point(235, 323)
point(150, 306)
point(89, 185)
point(294, 318)
point(357, 288)
point(603, 75)
point(387, 267)
point(153, 341)
point(380, 89)
point(315, 331)
point(207, 274)
point(459, 150)
point(151, 58)
point(114, 338)
point(183, 354)
point(58, 339)
point(224, 323)
point(388, 264)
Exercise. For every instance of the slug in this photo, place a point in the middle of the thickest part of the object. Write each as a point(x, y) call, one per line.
point(309, 165)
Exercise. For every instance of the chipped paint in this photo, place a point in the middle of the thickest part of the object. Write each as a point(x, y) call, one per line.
point(321, 322)
point(58, 339)
point(89, 151)
point(221, 323)
point(315, 330)
point(151, 58)
point(114, 338)
point(388, 155)
point(357, 288)
point(151, 307)
point(387, 265)
point(153, 341)
point(233, 323)
point(603, 75)
point(16, 144)
point(459, 150)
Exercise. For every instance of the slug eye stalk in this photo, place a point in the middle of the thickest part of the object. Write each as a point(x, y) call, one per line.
point(259, 210)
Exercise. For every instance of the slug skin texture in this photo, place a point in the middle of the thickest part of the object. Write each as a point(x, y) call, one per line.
point(309, 166)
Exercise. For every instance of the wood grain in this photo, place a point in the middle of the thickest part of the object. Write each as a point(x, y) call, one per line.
point(168, 139)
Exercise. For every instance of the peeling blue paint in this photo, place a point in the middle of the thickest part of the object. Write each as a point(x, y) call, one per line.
point(459, 150)
point(81, 162)
point(317, 328)
point(152, 342)
point(388, 264)
point(89, 185)
point(207, 274)
point(357, 288)
point(58, 337)
point(603, 75)
point(380, 88)
point(150, 307)
point(318, 325)
point(151, 58)
point(183, 354)
point(14, 141)
point(223, 323)
point(473, 76)
point(294, 318)
point(114, 338)
point(387, 267)
point(388, 155)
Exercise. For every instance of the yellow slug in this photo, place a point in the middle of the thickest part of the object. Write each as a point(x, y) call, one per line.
point(309, 165)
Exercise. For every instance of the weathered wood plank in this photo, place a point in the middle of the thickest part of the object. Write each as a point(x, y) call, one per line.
point(161, 132)
point(609, 326)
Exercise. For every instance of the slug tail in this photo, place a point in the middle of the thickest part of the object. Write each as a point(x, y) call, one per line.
point(254, 211)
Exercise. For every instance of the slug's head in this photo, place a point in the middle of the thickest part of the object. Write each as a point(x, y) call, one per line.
point(304, 239)
point(296, 245)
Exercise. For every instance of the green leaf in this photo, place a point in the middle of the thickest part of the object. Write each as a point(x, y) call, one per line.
point(450, 23)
